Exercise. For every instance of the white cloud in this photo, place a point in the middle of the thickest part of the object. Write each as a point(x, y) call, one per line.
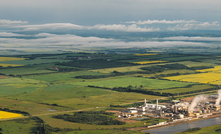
point(6, 34)
point(197, 38)
point(161, 21)
point(58, 42)
point(192, 26)
point(127, 28)
point(10, 22)
point(114, 27)
point(52, 26)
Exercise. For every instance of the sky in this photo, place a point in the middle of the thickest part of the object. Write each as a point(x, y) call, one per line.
point(110, 15)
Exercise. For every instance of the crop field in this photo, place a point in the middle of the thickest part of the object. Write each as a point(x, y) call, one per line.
point(148, 62)
point(144, 54)
point(189, 89)
point(10, 59)
point(9, 65)
point(125, 81)
point(5, 115)
point(211, 76)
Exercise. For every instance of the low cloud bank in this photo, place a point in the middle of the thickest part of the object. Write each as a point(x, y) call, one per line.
point(53, 41)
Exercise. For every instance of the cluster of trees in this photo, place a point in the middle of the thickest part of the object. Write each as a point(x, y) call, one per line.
point(62, 69)
point(54, 104)
point(14, 111)
point(98, 118)
point(193, 129)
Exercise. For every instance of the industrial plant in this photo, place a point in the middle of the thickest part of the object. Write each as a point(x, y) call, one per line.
point(200, 106)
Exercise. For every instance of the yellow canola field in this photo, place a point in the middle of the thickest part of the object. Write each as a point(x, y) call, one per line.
point(215, 69)
point(6, 115)
point(144, 54)
point(211, 76)
point(148, 62)
point(6, 65)
point(11, 58)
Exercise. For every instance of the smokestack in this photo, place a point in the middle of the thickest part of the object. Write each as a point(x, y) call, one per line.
point(157, 105)
point(218, 97)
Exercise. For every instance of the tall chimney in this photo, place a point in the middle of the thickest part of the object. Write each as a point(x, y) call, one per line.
point(157, 105)
point(145, 102)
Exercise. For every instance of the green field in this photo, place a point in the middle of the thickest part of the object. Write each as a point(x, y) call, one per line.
point(38, 60)
point(18, 127)
point(26, 70)
point(125, 81)
point(216, 129)
point(35, 89)
point(80, 97)
point(62, 76)
point(189, 89)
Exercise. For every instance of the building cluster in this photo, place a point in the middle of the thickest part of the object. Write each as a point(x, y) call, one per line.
point(199, 107)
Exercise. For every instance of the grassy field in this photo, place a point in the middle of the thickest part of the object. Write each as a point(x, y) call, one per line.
point(124, 81)
point(15, 127)
point(196, 64)
point(80, 97)
point(120, 69)
point(12, 86)
point(216, 129)
point(38, 60)
point(62, 76)
point(27, 70)
point(189, 89)
point(65, 124)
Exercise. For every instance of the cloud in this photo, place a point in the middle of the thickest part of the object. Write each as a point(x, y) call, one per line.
point(68, 42)
point(114, 27)
point(10, 22)
point(6, 34)
point(192, 26)
point(197, 38)
point(127, 28)
point(161, 22)
point(52, 26)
